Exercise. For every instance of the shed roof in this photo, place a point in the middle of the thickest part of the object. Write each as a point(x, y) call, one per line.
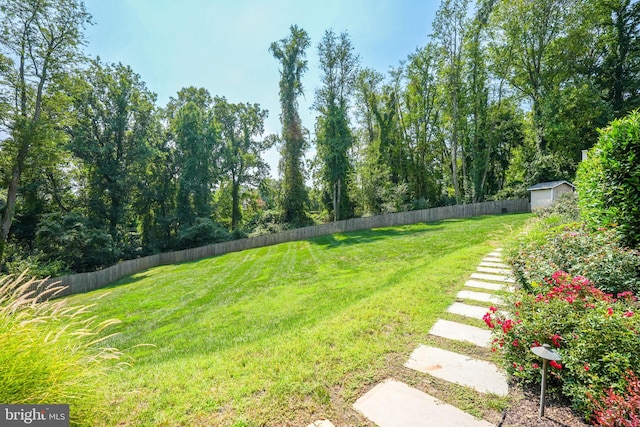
point(548, 185)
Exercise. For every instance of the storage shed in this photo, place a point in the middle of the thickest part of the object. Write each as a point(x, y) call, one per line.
point(543, 194)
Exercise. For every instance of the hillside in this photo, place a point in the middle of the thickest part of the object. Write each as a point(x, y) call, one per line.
point(286, 334)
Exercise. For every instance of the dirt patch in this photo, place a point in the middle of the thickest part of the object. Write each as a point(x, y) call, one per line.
point(525, 408)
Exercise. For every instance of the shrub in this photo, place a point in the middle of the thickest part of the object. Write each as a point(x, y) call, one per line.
point(596, 335)
point(597, 255)
point(615, 410)
point(564, 209)
point(203, 232)
point(38, 264)
point(267, 222)
point(609, 180)
point(49, 352)
point(70, 238)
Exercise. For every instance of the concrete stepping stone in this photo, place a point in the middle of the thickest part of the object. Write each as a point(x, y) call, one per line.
point(480, 296)
point(498, 249)
point(466, 310)
point(321, 423)
point(491, 259)
point(480, 375)
point(494, 270)
point(394, 404)
point(496, 254)
point(492, 277)
point(485, 285)
point(461, 332)
point(494, 264)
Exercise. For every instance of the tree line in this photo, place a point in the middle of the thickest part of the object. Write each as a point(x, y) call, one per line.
point(505, 94)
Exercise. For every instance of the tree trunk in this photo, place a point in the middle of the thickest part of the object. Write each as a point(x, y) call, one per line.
point(235, 203)
point(12, 194)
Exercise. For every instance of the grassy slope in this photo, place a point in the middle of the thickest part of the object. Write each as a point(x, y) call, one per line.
point(286, 334)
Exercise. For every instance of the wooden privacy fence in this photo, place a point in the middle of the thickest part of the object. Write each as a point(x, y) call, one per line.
point(84, 282)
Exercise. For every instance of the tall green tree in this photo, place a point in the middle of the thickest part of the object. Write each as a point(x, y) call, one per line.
point(197, 151)
point(40, 38)
point(421, 124)
point(534, 46)
point(291, 53)
point(450, 27)
point(155, 201)
point(616, 65)
point(334, 139)
point(372, 175)
point(115, 115)
point(241, 127)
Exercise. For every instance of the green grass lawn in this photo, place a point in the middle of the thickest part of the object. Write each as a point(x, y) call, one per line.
point(286, 334)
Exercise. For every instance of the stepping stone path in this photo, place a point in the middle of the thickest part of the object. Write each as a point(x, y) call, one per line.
point(459, 369)
point(492, 277)
point(461, 332)
point(480, 296)
point(493, 270)
point(485, 285)
point(395, 404)
point(472, 311)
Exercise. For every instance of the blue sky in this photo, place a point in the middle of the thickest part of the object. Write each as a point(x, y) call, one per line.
point(222, 45)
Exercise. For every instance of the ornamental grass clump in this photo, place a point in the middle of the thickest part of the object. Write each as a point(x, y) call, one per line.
point(596, 334)
point(51, 353)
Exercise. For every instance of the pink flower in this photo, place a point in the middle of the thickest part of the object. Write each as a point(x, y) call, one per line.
point(586, 367)
point(535, 366)
point(555, 339)
point(507, 325)
point(628, 295)
point(559, 275)
point(555, 364)
point(493, 309)
point(609, 311)
point(628, 314)
point(487, 319)
point(516, 343)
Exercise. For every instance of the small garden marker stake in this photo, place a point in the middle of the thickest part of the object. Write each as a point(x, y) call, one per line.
point(547, 354)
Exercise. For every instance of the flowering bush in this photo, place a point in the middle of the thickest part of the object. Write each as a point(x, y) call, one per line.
point(615, 410)
point(572, 248)
point(596, 334)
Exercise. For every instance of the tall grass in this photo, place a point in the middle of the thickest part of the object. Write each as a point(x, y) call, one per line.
point(50, 352)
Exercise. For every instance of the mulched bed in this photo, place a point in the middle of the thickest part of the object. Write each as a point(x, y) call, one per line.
point(526, 407)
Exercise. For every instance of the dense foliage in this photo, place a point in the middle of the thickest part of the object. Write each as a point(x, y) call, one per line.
point(596, 334)
point(620, 409)
point(577, 294)
point(573, 248)
point(502, 95)
point(609, 179)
